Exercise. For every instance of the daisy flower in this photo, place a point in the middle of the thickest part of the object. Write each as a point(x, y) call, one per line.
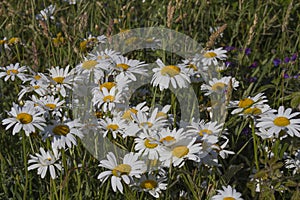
point(130, 167)
point(63, 133)
point(12, 71)
point(185, 149)
point(51, 104)
point(152, 184)
point(141, 107)
point(37, 87)
point(45, 160)
point(88, 66)
point(46, 13)
point(128, 67)
point(227, 193)
point(165, 75)
point(105, 99)
point(115, 126)
point(62, 78)
point(219, 85)
point(204, 130)
point(293, 163)
point(146, 122)
point(251, 105)
point(211, 56)
point(282, 121)
point(147, 147)
point(169, 138)
point(27, 118)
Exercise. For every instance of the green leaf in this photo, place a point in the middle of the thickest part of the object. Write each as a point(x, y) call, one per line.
point(296, 195)
point(295, 102)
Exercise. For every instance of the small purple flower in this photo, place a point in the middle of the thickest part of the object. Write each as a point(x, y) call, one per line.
point(285, 76)
point(253, 65)
point(252, 79)
point(294, 57)
point(229, 48)
point(228, 63)
point(286, 59)
point(247, 51)
point(276, 62)
point(246, 131)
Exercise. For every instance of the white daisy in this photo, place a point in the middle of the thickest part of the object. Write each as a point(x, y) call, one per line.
point(147, 147)
point(219, 85)
point(26, 118)
point(205, 131)
point(185, 149)
point(44, 161)
point(171, 74)
point(130, 167)
point(282, 121)
point(115, 126)
point(46, 13)
point(62, 78)
point(141, 107)
point(51, 104)
point(169, 138)
point(105, 99)
point(128, 67)
point(13, 70)
point(227, 193)
point(152, 184)
point(63, 133)
point(211, 56)
point(251, 105)
point(88, 66)
point(37, 87)
point(293, 163)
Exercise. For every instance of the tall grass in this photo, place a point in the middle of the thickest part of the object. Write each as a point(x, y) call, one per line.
point(269, 28)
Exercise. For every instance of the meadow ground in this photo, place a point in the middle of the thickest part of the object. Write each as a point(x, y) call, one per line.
point(96, 104)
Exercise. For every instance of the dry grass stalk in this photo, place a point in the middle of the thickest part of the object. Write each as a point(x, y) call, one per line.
point(214, 36)
point(286, 17)
point(170, 14)
point(251, 31)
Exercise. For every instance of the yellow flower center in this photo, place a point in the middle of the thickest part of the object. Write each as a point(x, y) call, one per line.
point(146, 124)
point(210, 54)
point(108, 98)
point(107, 85)
point(2, 42)
point(14, 71)
point(112, 127)
point(123, 66)
point(59, 79)
point(218, 86)
point(52, 106)
point(180, 151)
point(252, 111)
point(281, 121)
point(167, 139)
point(244, 103)
point(148, 184)
point(24, 118)
point(170, 70)
point(205, 131)
point(13, 40)
point(83, 45)
point(89, 64)
point(192, 66)
point(37, 77)
point(127, 113)
point(122, 169)
point(150, 145)
point(161, 115)
point(228, 198)
point(36, 87)
point(61, 130)
point(99, 114)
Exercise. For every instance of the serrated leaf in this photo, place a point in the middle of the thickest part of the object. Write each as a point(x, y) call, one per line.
point(291, 183)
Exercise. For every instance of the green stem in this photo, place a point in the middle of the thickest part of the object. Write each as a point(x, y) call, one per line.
point(254, 144)
point(25, 165)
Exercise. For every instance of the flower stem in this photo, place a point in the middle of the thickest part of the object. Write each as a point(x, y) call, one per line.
point(254, 144)
point(25, 165)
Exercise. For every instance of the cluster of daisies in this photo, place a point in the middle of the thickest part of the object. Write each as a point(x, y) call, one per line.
point(44, 104)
